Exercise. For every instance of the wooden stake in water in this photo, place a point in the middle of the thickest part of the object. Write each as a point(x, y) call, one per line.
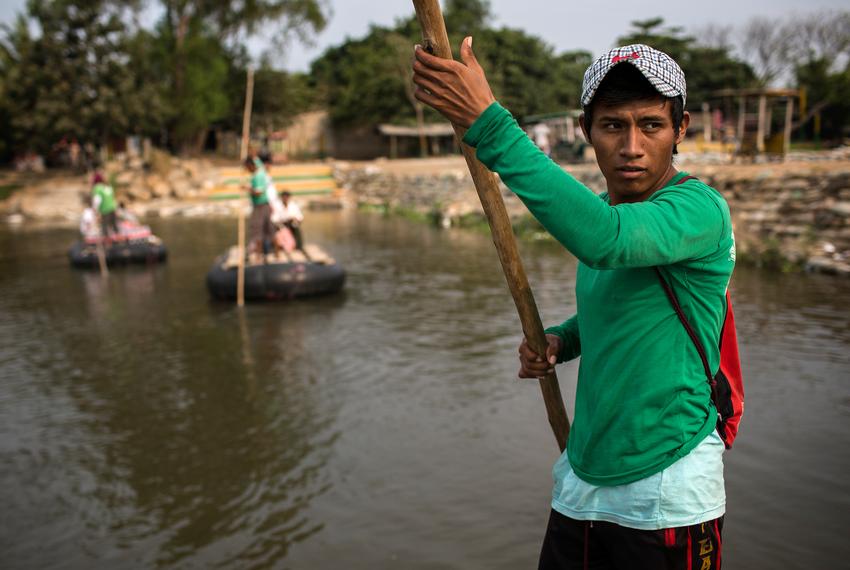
point(101, 258)
point(436, 41)
point(240, 275)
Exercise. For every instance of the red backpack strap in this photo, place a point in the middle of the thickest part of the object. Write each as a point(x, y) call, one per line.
point(688, 328)
point(681, 314)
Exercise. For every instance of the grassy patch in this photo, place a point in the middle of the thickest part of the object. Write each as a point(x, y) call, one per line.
point(770, 257)
point(7, 190)
point(525, 227)
point(407, 213)
point(411, 214)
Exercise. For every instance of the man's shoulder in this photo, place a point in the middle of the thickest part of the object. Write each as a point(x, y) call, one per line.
point(693, 189)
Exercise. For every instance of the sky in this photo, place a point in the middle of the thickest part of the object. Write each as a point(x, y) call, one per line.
point(564, 24)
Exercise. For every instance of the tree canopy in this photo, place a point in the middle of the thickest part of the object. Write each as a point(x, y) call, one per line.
point(82, 69)
point(360, 81)
point(70, 80)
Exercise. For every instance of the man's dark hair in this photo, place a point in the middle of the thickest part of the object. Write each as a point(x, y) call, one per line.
point(249, 163)
point(626, 83)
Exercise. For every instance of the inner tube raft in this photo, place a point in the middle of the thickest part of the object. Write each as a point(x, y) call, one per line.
point(282, 276)
point(147, 249)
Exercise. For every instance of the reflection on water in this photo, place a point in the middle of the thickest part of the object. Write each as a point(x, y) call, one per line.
point(142, 425)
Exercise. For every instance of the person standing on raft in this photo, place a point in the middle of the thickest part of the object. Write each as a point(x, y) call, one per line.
point(260, 229)
point(103, 200)
point(640, 485)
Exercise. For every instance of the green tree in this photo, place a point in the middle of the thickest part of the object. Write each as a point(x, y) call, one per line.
point(202, 36)
point(278, 97)
point(466, 17)
point(525, 73)
point(72, 79)
point(827, 93)
point(360, 81)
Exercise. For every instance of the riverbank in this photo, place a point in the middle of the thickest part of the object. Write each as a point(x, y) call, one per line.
point(793, 215)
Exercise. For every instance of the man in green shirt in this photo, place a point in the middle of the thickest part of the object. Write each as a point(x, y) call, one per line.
point(640, 484)
point(260, 230)
point(103, 200)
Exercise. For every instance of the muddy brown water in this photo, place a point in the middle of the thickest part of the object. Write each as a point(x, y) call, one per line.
point(144, 426)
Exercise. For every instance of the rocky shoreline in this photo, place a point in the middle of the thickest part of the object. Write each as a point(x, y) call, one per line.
point(788, 216)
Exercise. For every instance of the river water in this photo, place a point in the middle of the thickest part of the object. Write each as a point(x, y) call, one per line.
point(144, 426)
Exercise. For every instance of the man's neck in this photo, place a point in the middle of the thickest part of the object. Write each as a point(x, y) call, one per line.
point(615, 198)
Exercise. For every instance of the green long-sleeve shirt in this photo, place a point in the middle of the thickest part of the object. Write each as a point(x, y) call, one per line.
point(642, 400)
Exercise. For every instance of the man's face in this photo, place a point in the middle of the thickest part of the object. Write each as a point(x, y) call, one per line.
point(634, 146)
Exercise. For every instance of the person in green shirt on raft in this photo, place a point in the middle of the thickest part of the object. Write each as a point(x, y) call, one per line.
point(103, 200)
point(260, 229)
point(640, 484)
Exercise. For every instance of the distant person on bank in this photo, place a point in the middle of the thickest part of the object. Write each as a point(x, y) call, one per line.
point(640, 485)
point(103, 200)
point(541, 133)
point(260, 228)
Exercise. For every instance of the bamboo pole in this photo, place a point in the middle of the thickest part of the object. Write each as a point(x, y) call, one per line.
point(101, 258)
point(243, 154)
point(240, 271)
point(246, 115)
point(436, 41)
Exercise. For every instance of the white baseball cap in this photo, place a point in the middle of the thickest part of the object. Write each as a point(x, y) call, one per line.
point(659, 69)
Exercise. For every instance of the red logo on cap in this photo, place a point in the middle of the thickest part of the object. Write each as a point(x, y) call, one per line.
point(619, 58)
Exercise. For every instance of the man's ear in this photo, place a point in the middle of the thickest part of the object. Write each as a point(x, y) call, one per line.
point(584, 128)
point(683, 128)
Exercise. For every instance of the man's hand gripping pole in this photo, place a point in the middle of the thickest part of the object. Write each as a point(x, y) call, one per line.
point(435, 40)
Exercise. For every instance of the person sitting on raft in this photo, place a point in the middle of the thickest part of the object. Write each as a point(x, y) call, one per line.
point(260, 228)
point(88, 221)
point(125, 216)
point(292, 217)
point(103, 199)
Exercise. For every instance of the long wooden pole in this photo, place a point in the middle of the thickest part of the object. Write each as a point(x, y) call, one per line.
point(240, 271)
point(246, 115)
point(436, 41)
point(101, 257)
point(243, 154)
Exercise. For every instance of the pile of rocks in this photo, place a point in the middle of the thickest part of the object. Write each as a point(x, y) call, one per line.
point(164, 177)
point(165, 186)
point(448, 196)
point(789, 216)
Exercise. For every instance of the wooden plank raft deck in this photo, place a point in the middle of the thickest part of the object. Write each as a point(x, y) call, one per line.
point(316, 255)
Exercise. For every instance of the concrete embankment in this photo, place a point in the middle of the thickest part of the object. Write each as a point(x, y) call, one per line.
point(793, 215)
